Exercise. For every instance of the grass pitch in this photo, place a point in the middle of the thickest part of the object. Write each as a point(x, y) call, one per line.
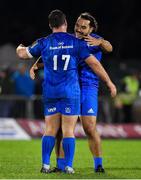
point(22, 160)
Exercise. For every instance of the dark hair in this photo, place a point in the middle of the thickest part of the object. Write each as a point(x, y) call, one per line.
point(56, 18)
point(88, 16)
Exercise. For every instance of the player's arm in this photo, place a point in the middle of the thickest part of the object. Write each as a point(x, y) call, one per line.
point(104, 44)
point(100, 71)
point(37, 65)
point(31, 51)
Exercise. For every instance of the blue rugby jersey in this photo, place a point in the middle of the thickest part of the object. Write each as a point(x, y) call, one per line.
point(61, 53)
point(87, 77)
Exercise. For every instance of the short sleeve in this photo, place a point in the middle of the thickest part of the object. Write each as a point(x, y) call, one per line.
point(35, 49)
point(84, 52)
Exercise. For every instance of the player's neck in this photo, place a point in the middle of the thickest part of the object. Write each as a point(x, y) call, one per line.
point(62, 28)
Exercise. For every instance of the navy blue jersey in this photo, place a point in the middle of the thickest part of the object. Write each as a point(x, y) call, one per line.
point(87, 76)
point(61, 53)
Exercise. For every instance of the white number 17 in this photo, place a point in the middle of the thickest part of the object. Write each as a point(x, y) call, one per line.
point(66, 58)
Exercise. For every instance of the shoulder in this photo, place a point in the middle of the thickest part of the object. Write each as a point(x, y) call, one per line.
point(75, 40)
point(96, 35)
point(42, 41)
point(71, 36)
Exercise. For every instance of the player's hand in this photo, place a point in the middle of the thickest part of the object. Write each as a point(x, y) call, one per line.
point(21, 52)
point(20, 47)
point(32, 71)
point(112, 88)
point(92, 41)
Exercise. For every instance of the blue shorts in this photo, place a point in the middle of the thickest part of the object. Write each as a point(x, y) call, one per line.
point(64, 106)
point(89, 102)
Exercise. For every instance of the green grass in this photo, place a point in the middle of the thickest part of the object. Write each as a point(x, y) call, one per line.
point(22, 160)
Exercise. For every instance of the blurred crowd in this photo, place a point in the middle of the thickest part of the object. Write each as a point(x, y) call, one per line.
point(17, 89)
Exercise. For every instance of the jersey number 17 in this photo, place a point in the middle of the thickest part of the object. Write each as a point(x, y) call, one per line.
point(65, 58)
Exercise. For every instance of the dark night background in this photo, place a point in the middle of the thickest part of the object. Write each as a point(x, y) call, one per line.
point(119, 21)
point(27, 20)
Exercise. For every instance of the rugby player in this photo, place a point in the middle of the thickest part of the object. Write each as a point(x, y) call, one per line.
point(61, 53)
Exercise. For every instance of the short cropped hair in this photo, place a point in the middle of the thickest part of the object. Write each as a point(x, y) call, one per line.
point(56, 18)
point(88, 16)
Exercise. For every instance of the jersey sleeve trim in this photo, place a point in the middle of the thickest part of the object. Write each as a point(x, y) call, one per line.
point(28, 53)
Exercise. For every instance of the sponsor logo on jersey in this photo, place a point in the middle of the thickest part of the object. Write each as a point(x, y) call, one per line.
point(68, 110)
point(90, 110)
point(52, 109)
point(61, 43)
point(61, 47)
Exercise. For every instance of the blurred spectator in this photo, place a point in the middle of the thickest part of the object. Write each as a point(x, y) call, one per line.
point(6, 87)
point(126, 97)
point(23, 86)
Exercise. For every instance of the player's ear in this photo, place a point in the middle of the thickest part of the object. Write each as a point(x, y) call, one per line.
point(50, 26)
point(66, 24)
point(91, 29)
